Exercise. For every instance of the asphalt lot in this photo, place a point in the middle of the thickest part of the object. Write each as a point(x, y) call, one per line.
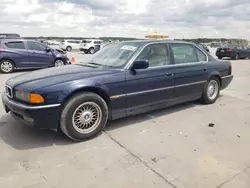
point(167, 148)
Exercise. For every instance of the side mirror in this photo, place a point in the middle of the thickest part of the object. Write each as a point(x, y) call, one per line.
point(48, 50)
point(140, 64)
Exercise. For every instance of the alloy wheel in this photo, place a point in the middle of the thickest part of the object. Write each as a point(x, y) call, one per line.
point(87, 117)
point(212, 89)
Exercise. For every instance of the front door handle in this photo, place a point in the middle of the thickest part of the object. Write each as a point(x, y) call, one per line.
point(170, 74)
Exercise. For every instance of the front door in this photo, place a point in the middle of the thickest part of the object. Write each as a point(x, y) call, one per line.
point(147, 88)
point(38, 56)
point(190, 70)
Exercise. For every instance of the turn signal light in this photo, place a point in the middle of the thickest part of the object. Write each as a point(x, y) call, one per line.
point(35, 98)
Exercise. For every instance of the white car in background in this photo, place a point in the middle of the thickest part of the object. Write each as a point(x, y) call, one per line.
point(91, 45)
point(69, 45)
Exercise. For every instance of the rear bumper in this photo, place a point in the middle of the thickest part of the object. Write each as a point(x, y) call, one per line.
point(41, 117)
point(225, 81)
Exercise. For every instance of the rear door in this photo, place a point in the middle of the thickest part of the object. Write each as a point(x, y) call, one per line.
point(38, 56)
point(190, 70)
point(17, 52)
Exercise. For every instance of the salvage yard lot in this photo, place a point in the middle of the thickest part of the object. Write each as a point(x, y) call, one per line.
point(173, 147)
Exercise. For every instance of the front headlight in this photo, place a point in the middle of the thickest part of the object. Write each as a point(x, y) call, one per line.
point(29, 97)
point(22, 95)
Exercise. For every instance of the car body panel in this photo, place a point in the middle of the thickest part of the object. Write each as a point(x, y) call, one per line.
point(126, 91)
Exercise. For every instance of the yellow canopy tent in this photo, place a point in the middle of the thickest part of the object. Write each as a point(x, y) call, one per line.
point(156, 35)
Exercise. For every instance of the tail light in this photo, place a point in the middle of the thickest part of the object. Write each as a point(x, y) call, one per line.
point(230, 50)
point(230, 69)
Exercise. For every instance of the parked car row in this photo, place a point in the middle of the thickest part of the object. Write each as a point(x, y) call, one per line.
point(28, 54)
point(87, 46)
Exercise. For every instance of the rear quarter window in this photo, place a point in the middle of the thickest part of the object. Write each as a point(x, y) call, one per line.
point(15, 45)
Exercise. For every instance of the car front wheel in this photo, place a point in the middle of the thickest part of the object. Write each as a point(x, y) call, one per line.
point(59, 63)
point(84, 116)
point(211, 91)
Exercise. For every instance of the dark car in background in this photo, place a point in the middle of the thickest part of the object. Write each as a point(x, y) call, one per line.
point(123, 79)
point(28, 54)
point(233, 51)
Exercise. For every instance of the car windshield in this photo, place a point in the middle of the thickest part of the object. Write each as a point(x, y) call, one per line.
point(114, 55)
point(86, 41)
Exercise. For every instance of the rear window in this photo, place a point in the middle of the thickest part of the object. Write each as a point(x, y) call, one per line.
point(15, 45)
point(229, 46)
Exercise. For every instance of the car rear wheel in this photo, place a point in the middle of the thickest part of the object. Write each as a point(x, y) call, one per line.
point(59, 63)
point(84, 116)
point(211, 91)
point(6, 66)
point(69, 48)
point(91, 50)
point(219, 57)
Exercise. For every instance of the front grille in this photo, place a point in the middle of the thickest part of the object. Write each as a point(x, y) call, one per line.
point(9, 91)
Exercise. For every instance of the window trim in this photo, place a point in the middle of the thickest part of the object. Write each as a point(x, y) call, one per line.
point(167, 44)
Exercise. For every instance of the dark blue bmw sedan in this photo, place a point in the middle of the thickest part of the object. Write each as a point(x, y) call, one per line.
point(121, 80)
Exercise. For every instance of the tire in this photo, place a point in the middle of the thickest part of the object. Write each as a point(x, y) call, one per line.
point(91, 50)
point(219, 57)
point(69, 48)
point(236, 57)
point(212, 84)
point(59, 63)
point(6, 66)
point(85, 51)
point(72, 114)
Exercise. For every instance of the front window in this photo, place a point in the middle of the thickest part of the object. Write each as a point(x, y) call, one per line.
point(36, 46)
point(156, 54)
point(115, 55)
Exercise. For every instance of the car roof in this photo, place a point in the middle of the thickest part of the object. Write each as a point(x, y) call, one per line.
point(156, 41)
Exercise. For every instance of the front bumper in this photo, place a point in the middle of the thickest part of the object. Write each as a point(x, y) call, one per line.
point(225, 81)
point(41, 117)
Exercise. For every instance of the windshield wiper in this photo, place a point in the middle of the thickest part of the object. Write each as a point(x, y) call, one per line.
point(97, 64)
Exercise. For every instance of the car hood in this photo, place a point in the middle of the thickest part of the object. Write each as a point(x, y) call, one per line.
point(51, 76)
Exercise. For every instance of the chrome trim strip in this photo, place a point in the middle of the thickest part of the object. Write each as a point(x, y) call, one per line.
point(117, 96)
point(226, 76)
point(148, 91)
point(182, 85)
point(24, 106)
point(128, 65)
point(152, 90)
